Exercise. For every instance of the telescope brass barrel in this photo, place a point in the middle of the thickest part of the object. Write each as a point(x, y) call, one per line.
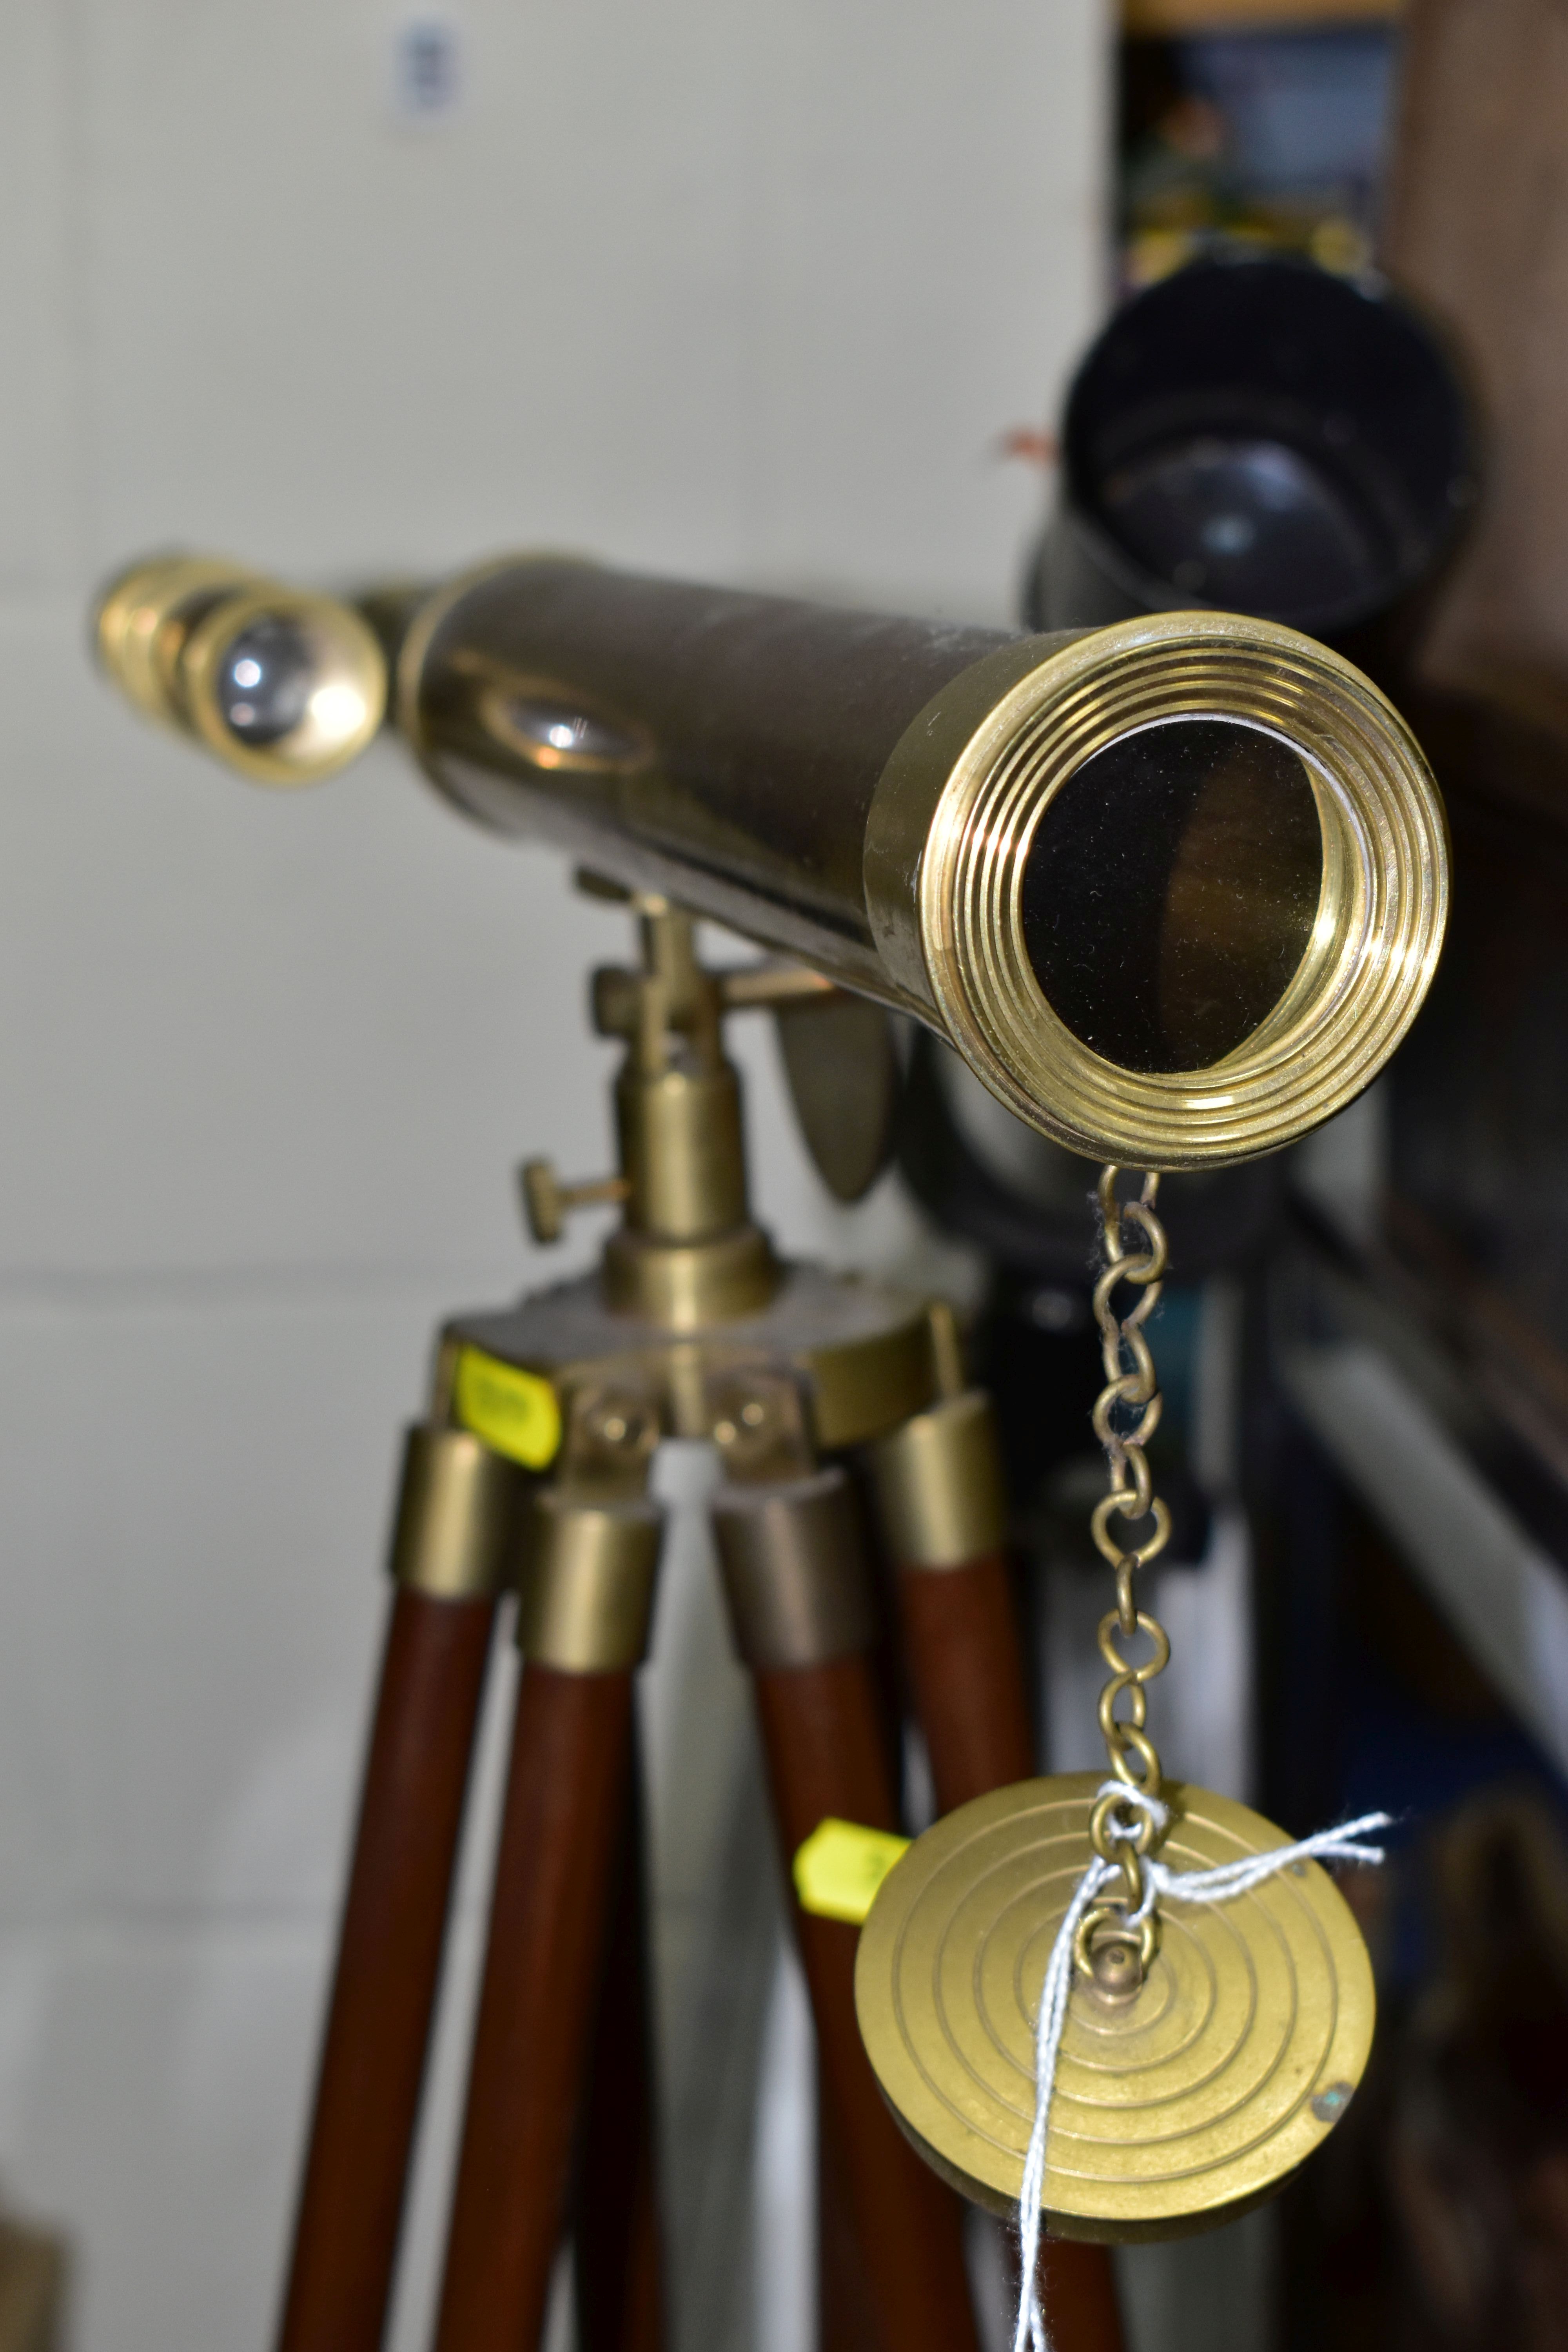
point(1174, 888)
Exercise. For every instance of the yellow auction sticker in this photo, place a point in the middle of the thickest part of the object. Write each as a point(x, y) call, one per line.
point(839, 1868)
point(515, 1413)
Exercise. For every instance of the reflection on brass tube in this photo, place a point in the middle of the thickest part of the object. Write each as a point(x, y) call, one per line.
point(1174, 888)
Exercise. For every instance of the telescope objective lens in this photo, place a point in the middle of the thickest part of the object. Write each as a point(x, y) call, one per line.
point(1171, 891)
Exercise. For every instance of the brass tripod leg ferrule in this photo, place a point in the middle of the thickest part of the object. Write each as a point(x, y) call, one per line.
point(585, 1596)
point(458, 1510)
point(939, 1488)
point(793, 1567)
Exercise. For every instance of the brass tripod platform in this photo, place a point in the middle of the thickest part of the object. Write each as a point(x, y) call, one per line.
point(532, 1470)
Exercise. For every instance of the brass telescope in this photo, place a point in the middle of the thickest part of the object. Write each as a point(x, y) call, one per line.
point(1174, 888)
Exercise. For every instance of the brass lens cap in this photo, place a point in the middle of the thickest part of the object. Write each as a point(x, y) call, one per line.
point(1173, 2110)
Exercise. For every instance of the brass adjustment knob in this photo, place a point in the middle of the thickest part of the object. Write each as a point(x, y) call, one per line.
point(547, 1203)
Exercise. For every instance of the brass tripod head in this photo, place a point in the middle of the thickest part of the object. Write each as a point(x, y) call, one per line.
point(686, 1253)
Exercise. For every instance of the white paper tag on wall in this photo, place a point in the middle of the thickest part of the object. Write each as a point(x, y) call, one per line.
point(429, 70)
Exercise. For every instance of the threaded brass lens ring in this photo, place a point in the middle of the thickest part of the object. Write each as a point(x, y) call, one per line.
point(1381, 910)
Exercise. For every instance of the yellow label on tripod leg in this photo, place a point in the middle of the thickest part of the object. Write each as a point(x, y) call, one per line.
point(515, 1413)
point(840, 1866)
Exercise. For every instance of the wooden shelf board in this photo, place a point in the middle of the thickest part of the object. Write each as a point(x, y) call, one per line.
point(1174, 16)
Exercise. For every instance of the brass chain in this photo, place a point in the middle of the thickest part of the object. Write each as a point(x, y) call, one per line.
point(1131, 1386)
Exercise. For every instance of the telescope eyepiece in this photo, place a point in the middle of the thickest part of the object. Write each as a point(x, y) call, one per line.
point(284, 686)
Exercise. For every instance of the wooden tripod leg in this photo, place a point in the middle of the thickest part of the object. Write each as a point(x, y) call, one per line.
point(548, 1912)
point(583, 1621)
point(618, 2257)
point(941, 1500)
point(845, 2317)
point(799, 1605)
point(966, 1675)
point(453, 1522)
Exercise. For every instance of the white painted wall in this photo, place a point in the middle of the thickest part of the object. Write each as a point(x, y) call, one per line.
point(736, 291)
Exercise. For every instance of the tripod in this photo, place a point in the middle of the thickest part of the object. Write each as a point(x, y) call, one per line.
point(530, 1473)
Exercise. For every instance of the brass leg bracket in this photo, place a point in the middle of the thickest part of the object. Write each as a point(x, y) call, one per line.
point(938, 1484)
point(793, 1571)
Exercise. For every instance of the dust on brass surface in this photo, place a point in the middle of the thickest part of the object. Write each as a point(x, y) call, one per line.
point(1195, 2099)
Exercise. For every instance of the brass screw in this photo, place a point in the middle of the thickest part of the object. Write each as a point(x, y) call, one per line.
point(759, 1425)
point(1117, 1975)
point(547, 1203)
point(1115, 1969)
point(615, 1426)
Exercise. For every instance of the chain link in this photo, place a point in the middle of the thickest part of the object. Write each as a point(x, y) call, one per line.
point(1121, 1833)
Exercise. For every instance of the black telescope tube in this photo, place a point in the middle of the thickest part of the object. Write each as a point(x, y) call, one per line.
point(1256, 435)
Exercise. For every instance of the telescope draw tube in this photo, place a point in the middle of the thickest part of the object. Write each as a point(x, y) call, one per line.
point(1174, 888)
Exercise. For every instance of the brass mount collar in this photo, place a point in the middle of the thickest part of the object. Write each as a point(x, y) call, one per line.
point(686, 1253)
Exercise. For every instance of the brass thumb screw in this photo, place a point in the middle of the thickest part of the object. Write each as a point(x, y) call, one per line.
point(547, 1203)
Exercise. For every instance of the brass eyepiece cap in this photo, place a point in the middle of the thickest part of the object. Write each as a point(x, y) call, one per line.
point(285, 686)
point(1174, 888)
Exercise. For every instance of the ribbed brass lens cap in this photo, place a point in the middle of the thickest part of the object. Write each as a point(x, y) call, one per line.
point(1233, 2061)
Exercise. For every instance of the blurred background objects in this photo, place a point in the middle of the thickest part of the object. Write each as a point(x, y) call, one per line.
point(1255, 124)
